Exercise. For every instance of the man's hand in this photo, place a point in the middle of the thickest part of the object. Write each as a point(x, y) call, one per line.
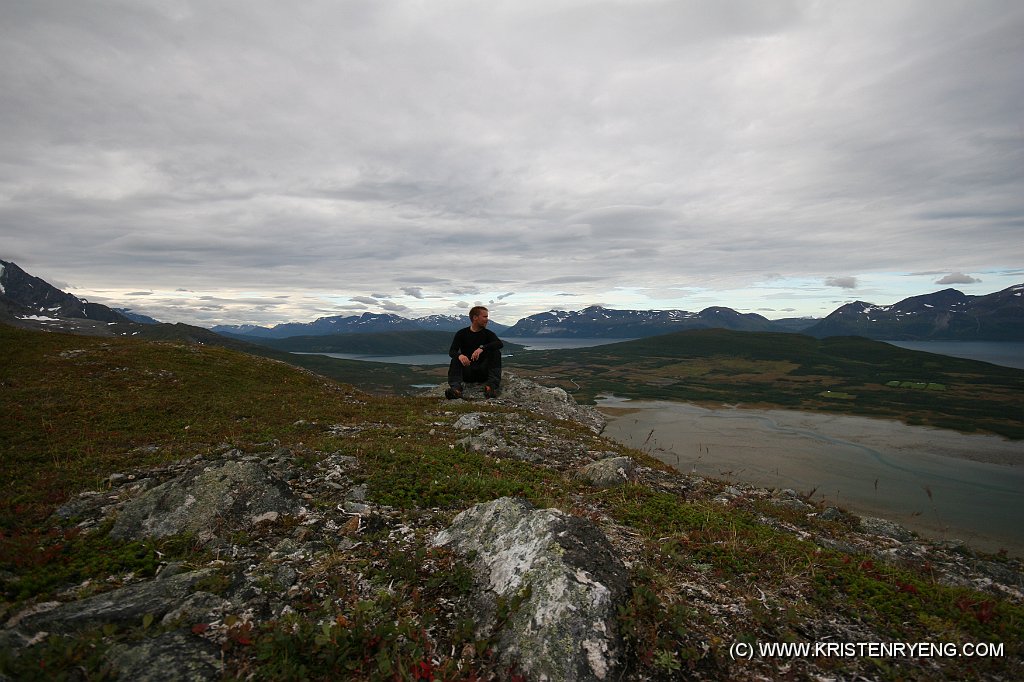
point(464, 360)
point(477, 353)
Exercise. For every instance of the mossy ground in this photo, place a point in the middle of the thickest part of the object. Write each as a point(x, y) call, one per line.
point(705, 575)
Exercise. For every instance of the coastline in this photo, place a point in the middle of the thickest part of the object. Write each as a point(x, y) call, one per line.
point(939, 483)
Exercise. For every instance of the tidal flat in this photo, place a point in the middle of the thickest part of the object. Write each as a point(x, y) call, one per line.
point(939, 483)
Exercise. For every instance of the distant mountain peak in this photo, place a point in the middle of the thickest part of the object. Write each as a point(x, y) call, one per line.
point(948, 314)
point(26, 297)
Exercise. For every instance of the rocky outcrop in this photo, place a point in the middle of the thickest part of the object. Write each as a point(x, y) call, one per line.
point(551, 402)
point(562, 574)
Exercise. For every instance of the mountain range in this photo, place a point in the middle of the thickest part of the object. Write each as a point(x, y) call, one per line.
point(366, 323)
point(944, 315)
point(599, 322)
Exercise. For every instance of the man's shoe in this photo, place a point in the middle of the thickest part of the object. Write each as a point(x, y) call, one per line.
point(489, 392)
point(452, 393)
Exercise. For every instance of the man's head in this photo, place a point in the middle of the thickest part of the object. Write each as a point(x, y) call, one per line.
point(478, 317)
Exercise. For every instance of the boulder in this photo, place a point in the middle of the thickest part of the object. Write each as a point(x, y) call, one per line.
point(609, 472)
point(564, 576)
point(206, 501)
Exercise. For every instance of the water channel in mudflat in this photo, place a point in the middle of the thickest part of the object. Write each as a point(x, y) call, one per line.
point(941, 484)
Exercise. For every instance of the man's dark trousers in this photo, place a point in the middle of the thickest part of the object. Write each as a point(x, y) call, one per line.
point(486, 370)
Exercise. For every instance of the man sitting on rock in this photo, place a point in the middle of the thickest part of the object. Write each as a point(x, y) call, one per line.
point(476, 356)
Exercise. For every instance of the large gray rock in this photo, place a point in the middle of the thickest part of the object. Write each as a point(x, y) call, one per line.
point(609, 472)
point(206, 501)
point(565, 629)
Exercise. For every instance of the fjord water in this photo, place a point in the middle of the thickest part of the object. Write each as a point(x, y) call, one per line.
point(1004, 353)
point(531, 343)
point(940, 483)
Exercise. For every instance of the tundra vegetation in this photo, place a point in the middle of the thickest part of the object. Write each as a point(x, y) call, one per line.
point(709, 565)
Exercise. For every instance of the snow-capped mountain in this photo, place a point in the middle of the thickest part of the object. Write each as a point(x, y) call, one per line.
point(335, 324)
point(944, 315)
point(354, 324)
point(600, 322)
point(32, 300)
point(452, 323)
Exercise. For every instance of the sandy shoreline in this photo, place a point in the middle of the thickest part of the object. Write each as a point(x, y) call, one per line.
point(939, 483)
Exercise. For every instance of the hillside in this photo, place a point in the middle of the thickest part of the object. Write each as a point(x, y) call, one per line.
point(322, 559)
point(849, 375)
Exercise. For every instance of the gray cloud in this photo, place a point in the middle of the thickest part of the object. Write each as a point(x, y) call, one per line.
point(333, 149)
point(841, 282)
point(957, 278)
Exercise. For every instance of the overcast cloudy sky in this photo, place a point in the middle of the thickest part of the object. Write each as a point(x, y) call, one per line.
point(257, 161)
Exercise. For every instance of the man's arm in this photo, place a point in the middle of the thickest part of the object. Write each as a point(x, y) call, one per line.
point(456, 350)
point(493, 342)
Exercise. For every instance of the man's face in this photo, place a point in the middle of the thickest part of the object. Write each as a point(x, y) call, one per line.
point(480, 320)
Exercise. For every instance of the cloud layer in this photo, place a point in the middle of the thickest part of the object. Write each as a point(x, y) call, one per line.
point(448, 153)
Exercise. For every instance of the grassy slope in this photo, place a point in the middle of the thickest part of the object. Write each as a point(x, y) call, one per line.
point(77, 408)
point(374, 377)
point(845, 374)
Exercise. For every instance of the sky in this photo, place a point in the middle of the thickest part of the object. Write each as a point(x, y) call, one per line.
point(258, 162)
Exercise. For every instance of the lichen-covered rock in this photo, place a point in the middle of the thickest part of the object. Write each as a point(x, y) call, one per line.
point(566, 574)
point(170, 657)
point(468, 421)
point(609, 472)
point(206, 501)
point(128, 605)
